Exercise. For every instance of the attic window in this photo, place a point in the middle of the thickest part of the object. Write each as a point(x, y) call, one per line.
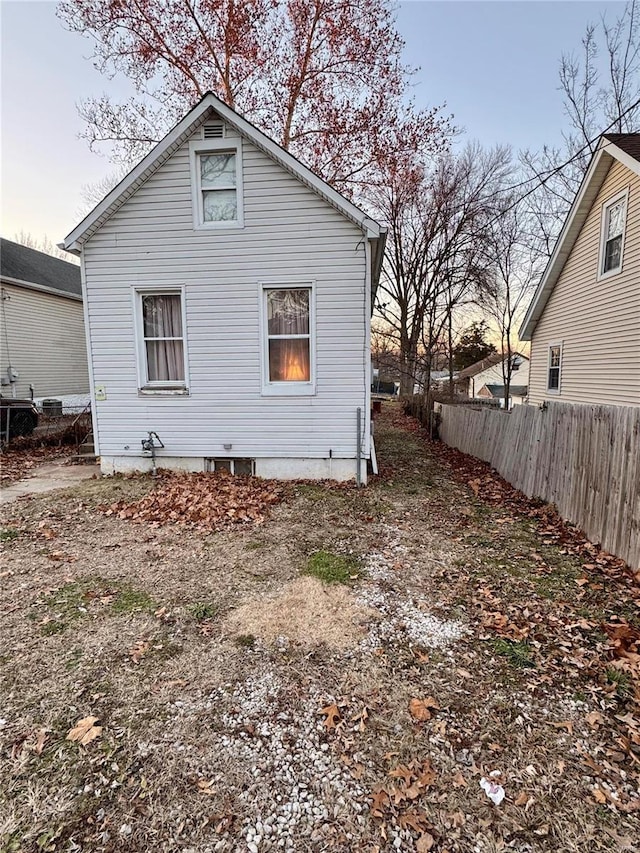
point(216, 183)
point(213, 130)
point(612, 235)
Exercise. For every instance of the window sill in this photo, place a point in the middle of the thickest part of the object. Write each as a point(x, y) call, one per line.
point(554, 391)
point(609, 274)
point(219, 226)
point(163, 392)
point(289, 389)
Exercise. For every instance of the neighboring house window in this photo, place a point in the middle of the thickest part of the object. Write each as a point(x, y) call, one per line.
point(161, 344)
point(555, 365)
point(288, 339)
point(216, 182)
point(612, 236)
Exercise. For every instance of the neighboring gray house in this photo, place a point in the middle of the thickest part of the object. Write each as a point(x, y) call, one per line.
point(229, 293)
point(43, 351)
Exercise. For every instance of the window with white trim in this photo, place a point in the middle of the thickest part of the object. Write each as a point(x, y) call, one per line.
point(288, 338)
point(554, 368)
point(216, 180)
point(160, 332)
point(612, 235)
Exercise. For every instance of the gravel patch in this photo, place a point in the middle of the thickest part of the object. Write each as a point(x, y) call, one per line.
point(402, 615)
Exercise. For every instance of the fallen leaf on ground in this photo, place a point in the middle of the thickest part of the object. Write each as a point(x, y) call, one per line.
point(425, 843)
point(85, 730)
point(459, 781)
point(594, 719)
point(206, 786)
point(420, 709)
point(47, 531)
point(40, 741)
point(414, 820)
point(566, 724)
point(332, 714)
point(380, 800)
point(138, 650)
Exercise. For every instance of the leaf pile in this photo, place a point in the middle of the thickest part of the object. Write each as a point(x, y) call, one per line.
point(204, 501)
point(489, 486)
point(19, 462)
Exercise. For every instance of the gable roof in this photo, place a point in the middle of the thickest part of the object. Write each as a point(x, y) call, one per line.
point(514, 390)
point(627, 142)
point(179, 134)
point(485, 363)
point(22, 265)
point(623, 147)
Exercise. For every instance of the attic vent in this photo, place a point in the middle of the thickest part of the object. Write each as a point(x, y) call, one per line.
point(214, 130)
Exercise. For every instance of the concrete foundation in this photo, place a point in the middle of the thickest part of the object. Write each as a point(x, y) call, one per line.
point(270, 468)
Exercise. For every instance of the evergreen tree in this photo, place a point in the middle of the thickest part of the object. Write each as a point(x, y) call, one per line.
point(472, 346)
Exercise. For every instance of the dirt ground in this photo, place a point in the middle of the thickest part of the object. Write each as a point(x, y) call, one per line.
point(338, 678)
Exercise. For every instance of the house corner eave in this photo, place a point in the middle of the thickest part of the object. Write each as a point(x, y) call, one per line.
point(378, 243)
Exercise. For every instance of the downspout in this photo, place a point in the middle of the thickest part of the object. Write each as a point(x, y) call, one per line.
point(358, 450)
point(87, 332)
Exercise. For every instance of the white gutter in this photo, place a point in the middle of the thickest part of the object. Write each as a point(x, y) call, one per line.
point(30, 285)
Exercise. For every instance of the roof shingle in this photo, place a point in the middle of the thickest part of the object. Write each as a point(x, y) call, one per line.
point(627, 142)
point(29, 265)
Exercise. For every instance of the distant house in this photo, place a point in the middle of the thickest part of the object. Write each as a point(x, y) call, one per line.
point(584, 319)
point(436, 378)
point(489, 371)
point(229, 295)
point(43, 351)
point(517, 394)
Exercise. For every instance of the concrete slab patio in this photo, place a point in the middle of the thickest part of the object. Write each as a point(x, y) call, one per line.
point(48, 478)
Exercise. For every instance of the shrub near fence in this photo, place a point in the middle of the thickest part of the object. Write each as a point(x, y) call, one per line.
point(584, 459)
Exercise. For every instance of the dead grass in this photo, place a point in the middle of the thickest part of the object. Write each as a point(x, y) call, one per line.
point(208, 660)
point(306, 611)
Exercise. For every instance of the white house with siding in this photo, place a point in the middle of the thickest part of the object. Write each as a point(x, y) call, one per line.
point(228, 295)
point(584, 319)
point(42, 338)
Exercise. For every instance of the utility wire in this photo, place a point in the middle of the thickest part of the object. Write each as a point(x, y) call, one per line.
point(588, 145)
point(541, 181)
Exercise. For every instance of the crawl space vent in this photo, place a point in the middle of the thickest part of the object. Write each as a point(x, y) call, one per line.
point(213, 130)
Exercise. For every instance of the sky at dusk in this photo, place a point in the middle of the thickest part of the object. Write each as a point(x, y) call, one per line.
point(495, 64)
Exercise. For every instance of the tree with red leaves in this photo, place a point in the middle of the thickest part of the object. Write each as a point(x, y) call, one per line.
point(323, 78)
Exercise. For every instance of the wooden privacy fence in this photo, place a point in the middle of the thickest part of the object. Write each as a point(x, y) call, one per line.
point(584, 459)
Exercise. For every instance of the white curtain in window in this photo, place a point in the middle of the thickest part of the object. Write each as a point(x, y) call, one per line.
point(616, 220)
point(288, 315)
point(162, 319)
point(288, 312)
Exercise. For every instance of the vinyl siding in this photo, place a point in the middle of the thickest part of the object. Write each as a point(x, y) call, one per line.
point(493, 376)
point(44, 336)
point(598, 322)
point(290, 234)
